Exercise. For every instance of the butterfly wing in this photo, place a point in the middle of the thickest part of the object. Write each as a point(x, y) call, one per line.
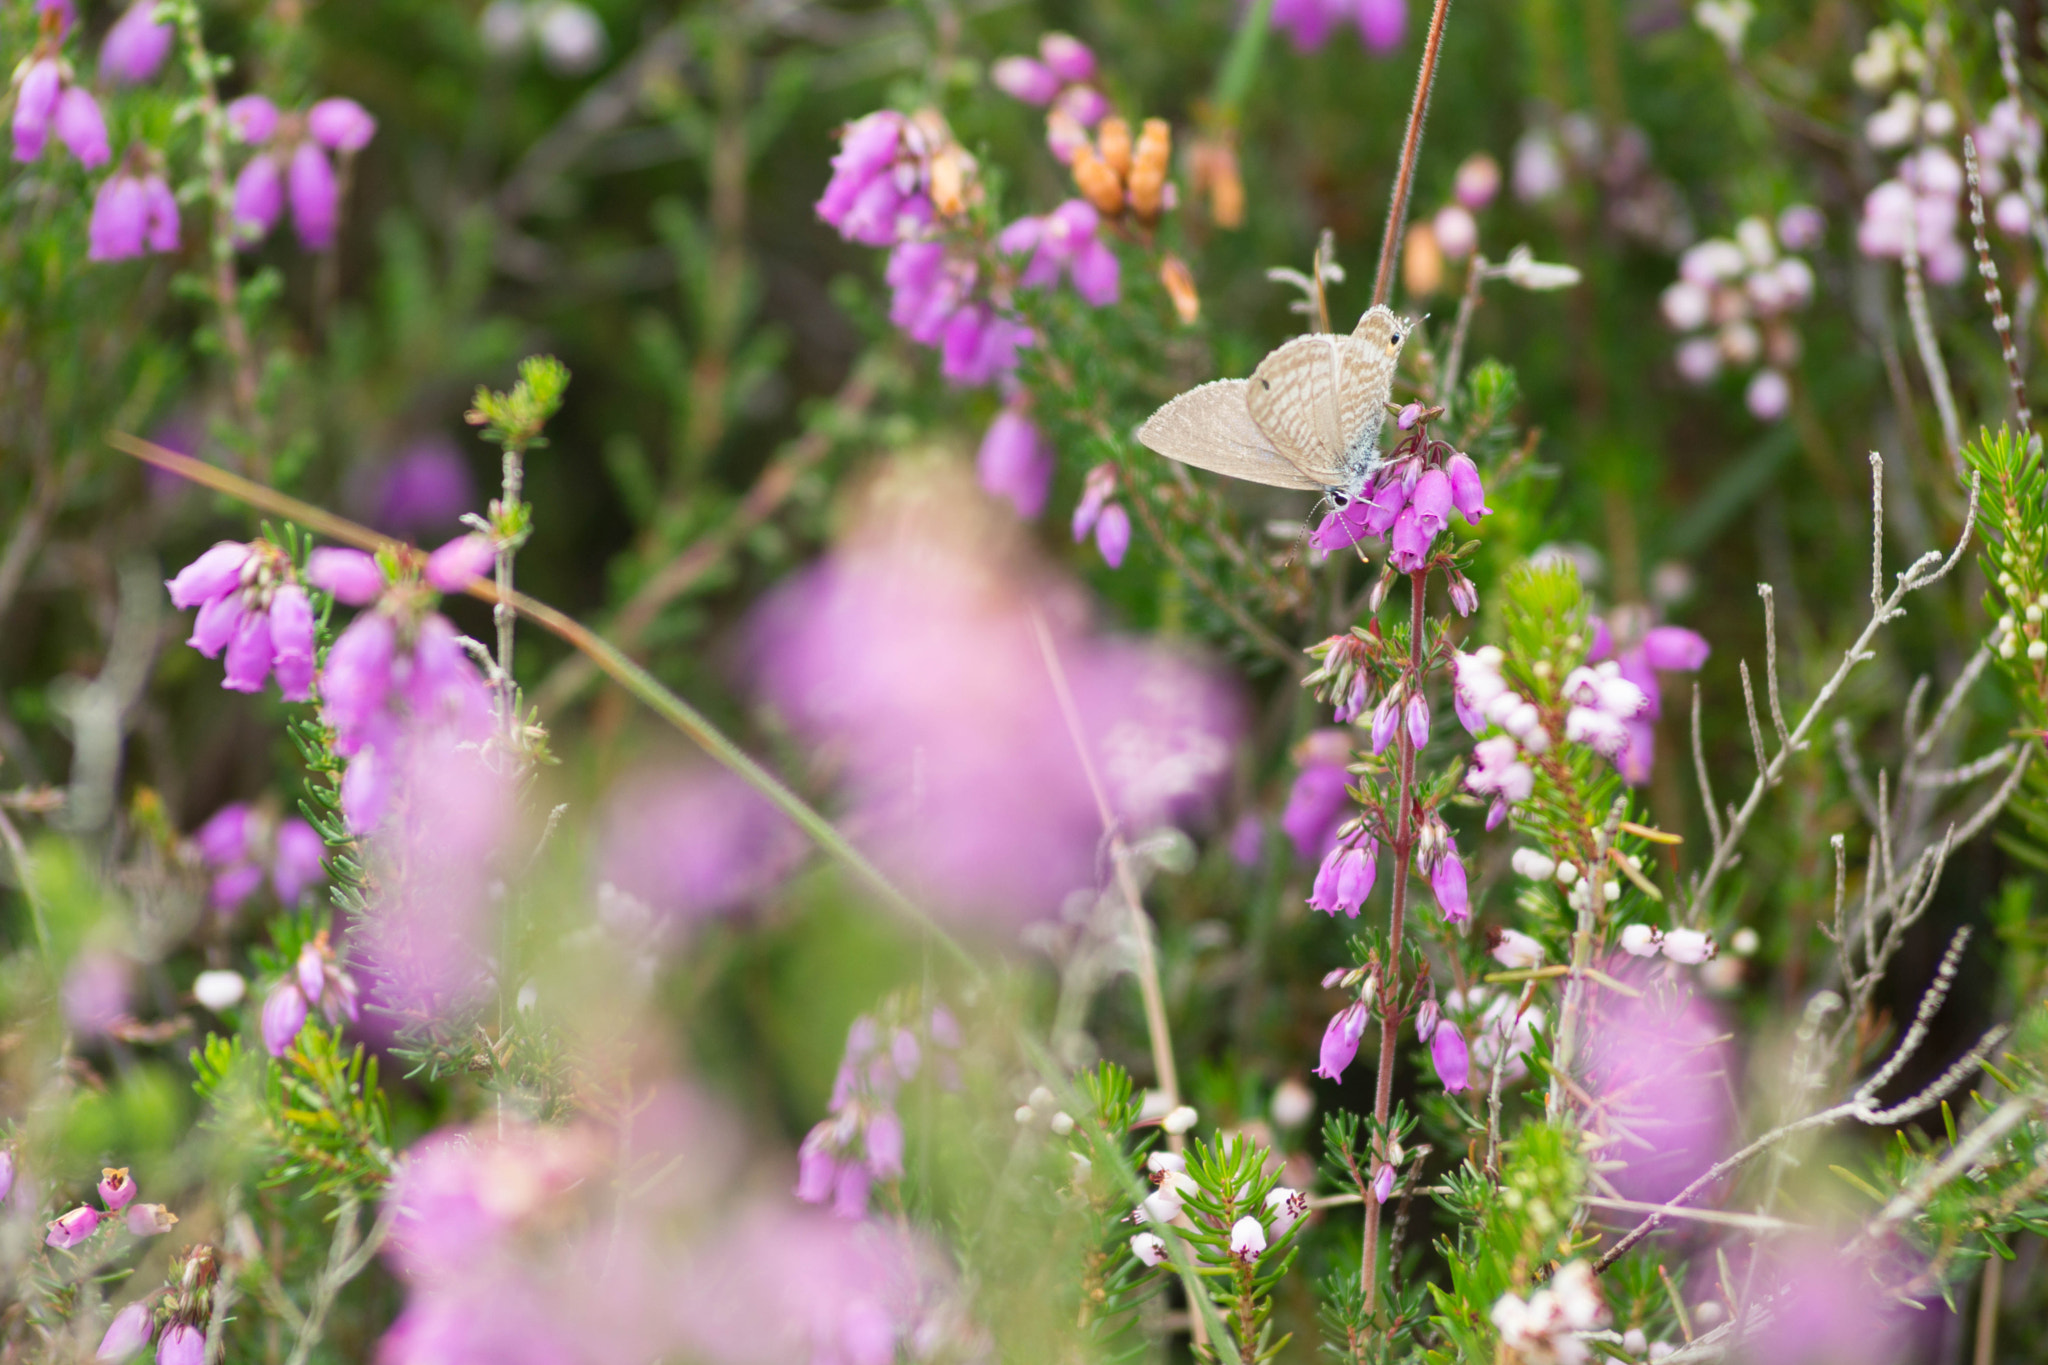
point(1371, 358)
point(1210, 428)
point(1296, 397)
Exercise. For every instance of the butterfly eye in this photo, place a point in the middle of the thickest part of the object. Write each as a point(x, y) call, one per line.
point(1339, 499)
point(1394, 340)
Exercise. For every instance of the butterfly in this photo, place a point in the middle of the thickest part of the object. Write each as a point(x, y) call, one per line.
point(1309, 417)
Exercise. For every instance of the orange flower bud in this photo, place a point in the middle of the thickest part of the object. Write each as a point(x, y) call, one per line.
point(1180, 287)
point(948, 182)
point(1100, 185)
point(1113, 139)
point(1149, 164)
point(1213, 164)
point(1422, 261)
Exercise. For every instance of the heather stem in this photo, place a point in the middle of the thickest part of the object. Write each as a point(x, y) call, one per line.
point(502, 613)
point(1390, 970)
point(1411, 147)
point(213, 156)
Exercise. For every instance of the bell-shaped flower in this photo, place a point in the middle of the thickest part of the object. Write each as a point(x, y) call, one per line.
point(258, 200)
point(1447, 1053)
point(1247, 1239)
point(884, 1134)
point(1340, 1041)
point(1418, 720)
point(461, 562)
point(1431, 501)
point(315, 195)
point(1383, 1183)
point(1113, 535)
point(1409, 542)
point(81, 127)
point(1386, 721)
point(251, 119)
point(1015, 462)
point(1285, 1207)
point(1024, 78)
point(1467, 494)
point(1149, 1248)
point(150, 1220)
point(135, 47)
point(36, 94)
point(72, 1228)
point(117, 1191)
point(1447, 882)
point(182, 1344)
point(133, 1326)
point(1642, 940)
point(341, 125)
point(284, 1014)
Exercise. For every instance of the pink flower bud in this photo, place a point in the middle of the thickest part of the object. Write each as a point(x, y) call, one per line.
point(1340, 1041)
point(1467, 494)
point(1457, 233)
point(461, 562)
point(117, 1191)
point(1447, 881)
point(251, 119)
point(1067, 57)
point(74, 1227)
point(1386, 719)
point(217, 571)
point(1477, 181)
point(1447, 1053)
point(1025, 79)
point(135, 49)
point(284, 1014)
point(341, 124)
point(132, 1327)
point(1408, 416)
point(258, 202)
point(1383, 1183)
point(1113, 534)
point(1015, 463)
point(350, 575)
point(182, 1344)
point(1418, 720)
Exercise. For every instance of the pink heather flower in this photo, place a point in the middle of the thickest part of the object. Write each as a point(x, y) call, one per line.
point(1025, 79)
point(6, 1172)
point(1477, 181)
point(1769, 395)
point(1384, 505)
point(81, 127)
point(135, 49)
point(1448, 1055)
point(251, 119)
point(1386, 722)
point(1345, 879)
point(1319, 799)
point(816, 1169)
point(117, 1191)
point(1081, 104)
point(74, 1227)
point(353, 577)
point(149, 1220)
point(217, 571)
point(1457, 232)
point(1431, 500)
point(1067, 57)
point(315, 197)
point(1466, 493)
point(182, 1344)
point(461, 562)
point(1801, 226)
point(224, 839)
point(860, 200)
point(341, 125)
point(1340, 1041)
point(1113, 534)
point(1016, 463)
point(850, 1191)
point(1656, 1068)
point(695, 844)
point(258, 200)
point(284, 1014)
point(234, 886)
point(130, 215)
point(1381, 22)
point(1418, 720)
point(1383, 1183)
point(1342, 526)
point(133, 1326)
point(427, 486)
point(292, 640)
point(250, 654)
point(1447, 883)
point(35, 106)
point(884, 1134)
point(1408, 416)
point(1095, 494)
point(1409, 544)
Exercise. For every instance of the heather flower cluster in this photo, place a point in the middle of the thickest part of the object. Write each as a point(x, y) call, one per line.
point(1409, 502)
point(1920, 208)
point(1733, 299)
point(861, 1140)
point(293, 162)
point(1451, 234)
point(253, 604)
point(317, 980)
point(1309, 24)
point(242, 848)
point(1551, 1323)
point(117, 1191)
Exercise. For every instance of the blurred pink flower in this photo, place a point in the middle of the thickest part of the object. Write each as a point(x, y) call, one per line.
point(96, 992)
point(1644, 650)
point(695, 842)
point(913, 659)
point(1319, 800)
point(425, 487)
point(1657, 1069)
point(1820, 1307)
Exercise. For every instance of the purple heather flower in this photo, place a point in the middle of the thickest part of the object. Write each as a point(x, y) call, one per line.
point(850, 1190)
point(250, 654)
point(861, 199)
point(135, 47)
point(133, 1326)
point(132, 214)
point(1025, 79)
point(1409, 542)
point(353, 577)
point(74, 1227)
point(224, 839)
point(1381, 23)
point(284, 1014)
point(424, 488)
point(461, 562)
point(1084, 104)
point(1016, 463)
point(292, 640)
point(35, 105)
point(1408, 416)
point(1447, 883)
point(182, 1344)
point(1383, 1183)
point(1386, 722)
point(340, 124)
point(6, 1173)
point(885, 1145)
point(1309, 23)
point(81, 127)
point(1345, 878)
point(117, 1191)
point(1342, 526)
point(1448, 1055)
point(1095, 493)
point(695, 844)
point(1066, 240)
point(816, 1169)
point(1656, 1067)
point(1340, 1041)
point(1113, 534)
point(1067, 57)
point(258, 200)
point(1466, 493)
point(298, 861)
point(1675, 648)
point(1384, 504)
point(316, 198)
point(1320, 796)
point(234, 886)
point(251, 119)
point(1431, 500)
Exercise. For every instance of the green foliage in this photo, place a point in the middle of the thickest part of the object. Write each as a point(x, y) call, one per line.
point(315, 1116)
point(1232, 1177)
point(515, 418)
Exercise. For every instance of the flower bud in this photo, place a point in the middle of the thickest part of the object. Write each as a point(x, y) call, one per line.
point(1022, 78)
point(1418, 720)
point(1447, 1053)
point(1383, 1183)
point(1641, 940)
point(1067, 57)
point(1533, 864)
point(461, 562)
point(284, 1014)
point(132, 1327)
point(74, 1227)
point(1384, 720)
point(1179, 1120)
point(1340, 1041)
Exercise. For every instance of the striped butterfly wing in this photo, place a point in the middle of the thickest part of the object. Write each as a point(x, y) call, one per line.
point(1297, 398)
point(1371, 358)
point(1211, 428)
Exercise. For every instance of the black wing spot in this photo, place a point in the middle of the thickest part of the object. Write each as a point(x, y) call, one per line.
point(1265, 383)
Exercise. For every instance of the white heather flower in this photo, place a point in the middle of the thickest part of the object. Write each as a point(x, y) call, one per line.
point(1180, 1120)
point(1707, 263)
point(1517, 951)
point(1634, 1342)
point(1063, 1123)
point(1533, 864)
point(1685, 305)
point(1247, 1239)
point(1895, 124)
point(1759, 245)
point(1743, 941)
point(1024, 1114)
point(1148, 1248)
point(1689, 946)
point(1293, 1103)
point(1546, 1327)
point(1286, 1207)
point(1597, 730)
point(1642, 940)
point(1567, 873)
point(1525, 270)
point(1160, 1162)
point(1040, 1098)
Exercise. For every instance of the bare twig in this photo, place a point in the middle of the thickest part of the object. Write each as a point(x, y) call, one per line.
point(1993, 296)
